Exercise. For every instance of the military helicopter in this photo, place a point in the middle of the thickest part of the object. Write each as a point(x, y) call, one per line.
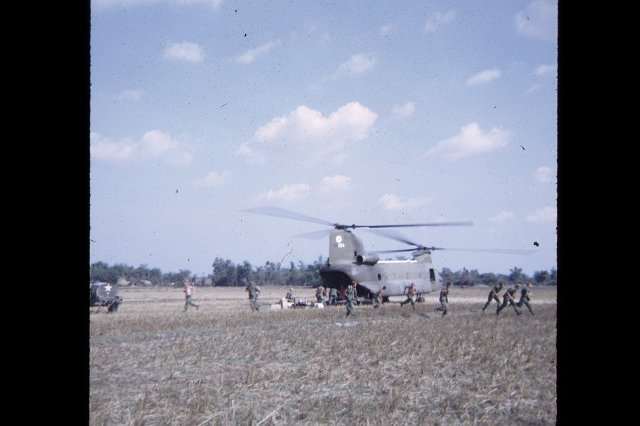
point(348, 260)
point(103, 294)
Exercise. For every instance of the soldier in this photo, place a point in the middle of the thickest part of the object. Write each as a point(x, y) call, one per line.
point(509, 297)
point(493, 295)
point(333, 296)
point(524, 298)
point(320, 293)
point(377, 300)
point(444, 299)
point(411, 292)
point(188, 292)
point(289, 296)
point(253, 291)
point(352, 298)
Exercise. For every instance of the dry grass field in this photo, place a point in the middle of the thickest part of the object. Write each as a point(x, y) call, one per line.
point(150, 363)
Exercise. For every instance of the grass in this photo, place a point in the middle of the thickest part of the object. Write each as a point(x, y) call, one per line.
point(153, 364)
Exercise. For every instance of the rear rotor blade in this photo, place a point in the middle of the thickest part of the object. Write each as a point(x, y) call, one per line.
point(392, 251)
point(463, 223)
point(499, 251)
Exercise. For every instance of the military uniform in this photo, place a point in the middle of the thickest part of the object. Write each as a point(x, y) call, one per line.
point(289, 296)
point(253, 291)
point(509, 298)
point(377, 300)
point(444, 299)
point(352, 299)
point(188, 292)
point(411, 292)
point(333, 296)
point(524, 298)
point(493, 295)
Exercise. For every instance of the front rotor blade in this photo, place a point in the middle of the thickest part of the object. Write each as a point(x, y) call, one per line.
point(278, 212)
point(395, 236)
point(314, 235)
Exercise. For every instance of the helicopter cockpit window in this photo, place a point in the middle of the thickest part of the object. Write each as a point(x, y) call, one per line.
point(432, 274)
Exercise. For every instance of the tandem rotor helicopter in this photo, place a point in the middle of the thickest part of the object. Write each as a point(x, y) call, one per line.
point(348, 260)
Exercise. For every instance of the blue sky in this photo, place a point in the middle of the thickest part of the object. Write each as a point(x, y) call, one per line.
point(354, 112)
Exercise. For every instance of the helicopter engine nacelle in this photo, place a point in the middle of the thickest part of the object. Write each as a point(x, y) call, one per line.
point(367, 259)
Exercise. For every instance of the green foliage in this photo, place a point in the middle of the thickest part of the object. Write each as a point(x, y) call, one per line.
point(226, 273)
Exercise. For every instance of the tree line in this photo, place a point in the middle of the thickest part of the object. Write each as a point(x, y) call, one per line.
point(225, 273)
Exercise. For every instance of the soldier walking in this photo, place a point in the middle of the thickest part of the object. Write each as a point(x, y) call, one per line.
point(524, 298)
point(411, 293)
point(377, 300)
point(320, 293)
point(188, 293)
point(333, 296)
point(493, 295)
point(509, 297)
point(253, 291)
point(444, 299)
point(352, 298)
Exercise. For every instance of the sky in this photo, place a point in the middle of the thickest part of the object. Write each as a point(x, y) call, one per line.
point(359, 112)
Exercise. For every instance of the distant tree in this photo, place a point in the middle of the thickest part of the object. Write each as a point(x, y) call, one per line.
point(224, 272)
point(447, 275)
point(541, 277)
point(99, 271)
point(489, 279)
point(553, 277)
point(467, 277)
point(294, 274)
point(516, 275)
point(244, 272)
point(155, 276)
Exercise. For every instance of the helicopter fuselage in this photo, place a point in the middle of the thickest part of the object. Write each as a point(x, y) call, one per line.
point(349, 262)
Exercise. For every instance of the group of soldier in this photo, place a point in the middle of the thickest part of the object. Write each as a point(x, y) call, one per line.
point(351, 295)
point(509, 298)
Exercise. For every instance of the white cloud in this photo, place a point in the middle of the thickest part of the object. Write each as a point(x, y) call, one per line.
point(438, 20)
point(251, 54)
point(134, 95)
point(105, 149)
point(307, 133)
point(335, 183)
point(154, 145)
point(185, 51)
point(404, 111)
point(500, 217)
point(357, 64)
point(543, 175)
point(539, 20)
point(107, 4)
point(484, 77)
point(287, 193)
point(252, 156)
point(393, 202)
point(470, 140)
point(545, 214)
point(215, 179)
point(543, 70)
